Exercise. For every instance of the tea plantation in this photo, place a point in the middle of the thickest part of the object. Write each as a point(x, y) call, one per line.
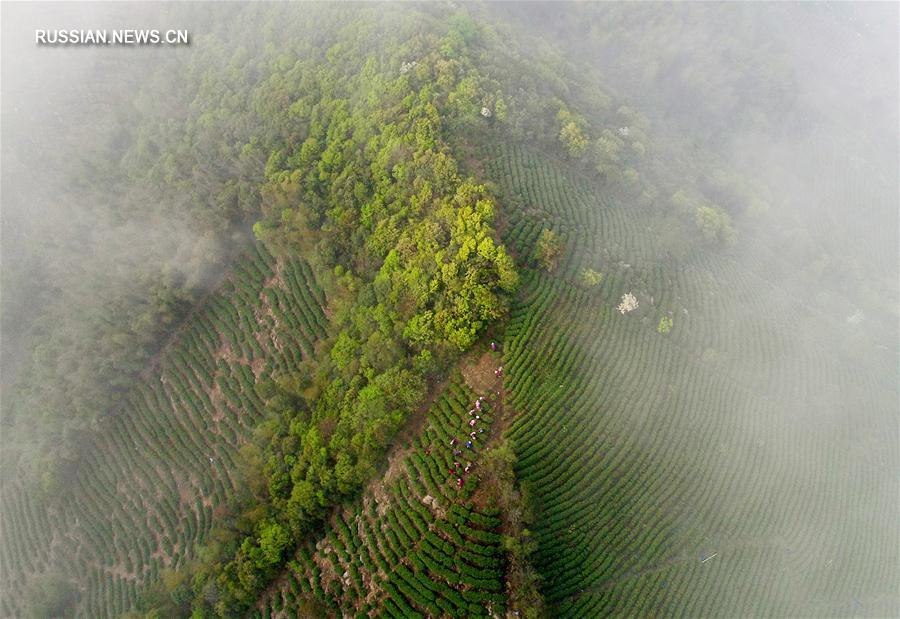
point(692, 472)
point(145, 496)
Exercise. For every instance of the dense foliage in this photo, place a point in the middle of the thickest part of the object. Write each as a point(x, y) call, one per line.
point(367, 187)
point(417, 546)
point(340, 141)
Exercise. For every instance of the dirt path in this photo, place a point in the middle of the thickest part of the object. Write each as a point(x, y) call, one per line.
point(478, 373)
point(401, 447)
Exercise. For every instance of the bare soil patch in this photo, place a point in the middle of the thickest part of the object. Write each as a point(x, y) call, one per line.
point(478, 373)
point(218, 402)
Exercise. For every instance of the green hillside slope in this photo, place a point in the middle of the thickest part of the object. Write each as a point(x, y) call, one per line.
point(414, 544)
point(713, 469)
point(680, 384)
point(145, 495)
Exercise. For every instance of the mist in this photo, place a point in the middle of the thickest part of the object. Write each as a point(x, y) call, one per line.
point(90, 239)
point(739, 173)
point(814, 134)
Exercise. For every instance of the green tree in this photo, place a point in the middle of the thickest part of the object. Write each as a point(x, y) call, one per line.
point(591, 278)
point(573, 139)
point(549, 249)
point(273, 540)
point(714, 224)
point(665, 324)
point(571, 132)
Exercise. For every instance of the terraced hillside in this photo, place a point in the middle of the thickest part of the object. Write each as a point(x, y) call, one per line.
point(692, 472)
point(146, 491)
point(415, 544)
